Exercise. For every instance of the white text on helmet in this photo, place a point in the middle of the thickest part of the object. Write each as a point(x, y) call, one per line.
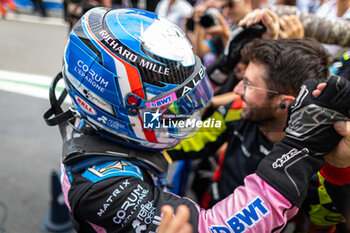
point(90, 75)
point(194, 83)
point(115, 46)
point(154, 67)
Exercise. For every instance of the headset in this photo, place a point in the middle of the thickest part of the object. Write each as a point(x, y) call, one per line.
point(283, 105)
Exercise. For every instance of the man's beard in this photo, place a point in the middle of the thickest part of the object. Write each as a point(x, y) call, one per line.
point(257, 114)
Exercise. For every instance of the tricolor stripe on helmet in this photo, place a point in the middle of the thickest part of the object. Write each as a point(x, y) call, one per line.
point(132, 85)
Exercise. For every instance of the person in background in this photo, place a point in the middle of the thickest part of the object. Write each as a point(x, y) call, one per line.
point(308, 6)
point(286, 2)
point(75, 9)
point(341, 66)
point(10, 3)
point(134, 3)
point(174, 10)
point(151, 5)
point(212, 40)
point(256, 4)
point(38, 6)
point(334, 9)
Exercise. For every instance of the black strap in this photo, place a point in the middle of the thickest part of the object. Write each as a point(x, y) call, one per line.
point(55, 115)
point(57, 119)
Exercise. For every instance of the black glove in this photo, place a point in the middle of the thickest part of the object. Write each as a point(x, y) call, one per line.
point(309, 135)
point(232, 53)
point(310, 120)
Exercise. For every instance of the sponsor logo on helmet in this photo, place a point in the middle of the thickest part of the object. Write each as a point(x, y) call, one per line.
point(94, 98)
point(154, 67)
point(97, 100)
point(163, 101)
point(91, 76)
point(85, 106)
point(117, 47)
point(113, 124)
point(114, 45)
point(193, 83)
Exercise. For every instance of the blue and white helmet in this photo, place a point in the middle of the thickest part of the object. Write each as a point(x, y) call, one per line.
point(133, 76)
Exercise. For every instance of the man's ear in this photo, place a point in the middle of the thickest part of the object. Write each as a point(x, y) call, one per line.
point(283, 102)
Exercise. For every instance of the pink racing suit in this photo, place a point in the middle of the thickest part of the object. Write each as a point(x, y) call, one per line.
point(119, 196)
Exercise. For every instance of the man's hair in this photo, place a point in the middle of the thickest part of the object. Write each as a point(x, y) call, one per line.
point(289, 62)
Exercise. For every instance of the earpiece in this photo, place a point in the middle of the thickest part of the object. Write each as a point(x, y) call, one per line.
point(283, 105)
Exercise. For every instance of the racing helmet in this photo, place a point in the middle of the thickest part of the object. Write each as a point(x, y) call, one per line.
point(132, 75)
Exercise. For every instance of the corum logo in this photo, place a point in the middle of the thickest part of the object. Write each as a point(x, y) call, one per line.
point(151, 120)
point(85, 106)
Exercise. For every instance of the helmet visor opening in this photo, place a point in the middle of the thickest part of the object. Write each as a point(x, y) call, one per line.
point(191, 96)
point(177, 113)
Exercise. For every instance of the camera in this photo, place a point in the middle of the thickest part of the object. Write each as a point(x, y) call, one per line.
point(219, 70)
point(208, 19)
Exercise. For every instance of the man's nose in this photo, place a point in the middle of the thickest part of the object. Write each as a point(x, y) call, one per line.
point(239, 88)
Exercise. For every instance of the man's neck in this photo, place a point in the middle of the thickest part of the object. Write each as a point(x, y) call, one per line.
point(273, 128)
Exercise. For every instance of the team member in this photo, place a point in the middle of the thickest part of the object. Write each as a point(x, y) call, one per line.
point(273, 77)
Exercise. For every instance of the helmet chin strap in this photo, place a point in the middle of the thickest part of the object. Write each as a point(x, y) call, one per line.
point(55, 115)
point(81, 146)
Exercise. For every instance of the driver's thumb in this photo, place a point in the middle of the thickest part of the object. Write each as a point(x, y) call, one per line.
point(342, 127)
